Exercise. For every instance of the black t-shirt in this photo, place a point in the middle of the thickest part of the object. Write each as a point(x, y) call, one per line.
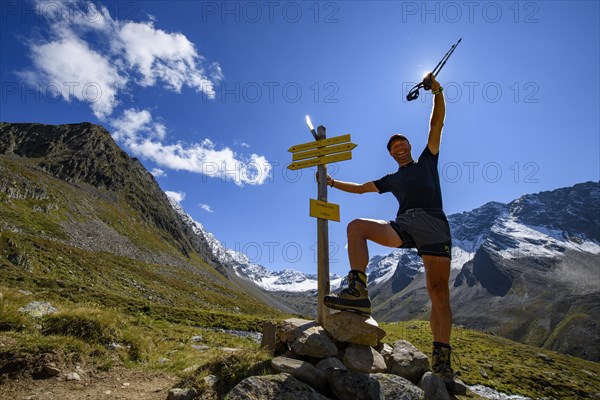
point(416, 185)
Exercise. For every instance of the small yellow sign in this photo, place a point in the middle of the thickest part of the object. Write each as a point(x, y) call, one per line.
point(347, 155)
point(319, 143)
point(324, 210)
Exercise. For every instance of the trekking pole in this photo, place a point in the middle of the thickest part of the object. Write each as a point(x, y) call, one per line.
point(413, 94)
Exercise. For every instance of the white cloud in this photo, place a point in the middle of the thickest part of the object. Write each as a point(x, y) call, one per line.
point(158, 173)
point(90, 56)
point(158, 55)
point(70, 67)
point(143, 137)
point(205, 207)
point(175, 196)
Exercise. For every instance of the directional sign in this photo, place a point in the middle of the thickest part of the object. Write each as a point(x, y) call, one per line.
point(347, 155)
point(319, 143)
point(324, 210)
point(323, 151)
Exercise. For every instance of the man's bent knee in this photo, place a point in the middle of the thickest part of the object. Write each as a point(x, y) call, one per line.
point(356, 226)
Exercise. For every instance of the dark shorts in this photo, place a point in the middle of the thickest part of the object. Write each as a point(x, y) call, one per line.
point(427, 230)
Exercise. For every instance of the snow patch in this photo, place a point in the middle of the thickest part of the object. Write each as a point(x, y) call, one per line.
point(539, 241)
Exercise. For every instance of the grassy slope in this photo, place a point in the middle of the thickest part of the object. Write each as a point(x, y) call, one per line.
point(35, 238)
point(154, 310)
point(81, 332)
point(510, 367)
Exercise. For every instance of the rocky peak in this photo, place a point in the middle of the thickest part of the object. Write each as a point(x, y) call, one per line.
point(87, 154)
point(73, 152)
point(572, 209)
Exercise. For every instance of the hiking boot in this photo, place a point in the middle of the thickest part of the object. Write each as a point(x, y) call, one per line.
point(441, 366)
point(354, 298)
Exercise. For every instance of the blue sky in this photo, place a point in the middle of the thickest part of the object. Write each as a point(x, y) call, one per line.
point(210, 95)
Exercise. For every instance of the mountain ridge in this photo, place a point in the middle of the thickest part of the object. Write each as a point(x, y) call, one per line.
point(70, 189)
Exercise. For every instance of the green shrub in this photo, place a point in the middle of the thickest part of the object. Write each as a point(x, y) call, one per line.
point(11, 319)
point(232, 368)
point(91, 326)
point(138, 345)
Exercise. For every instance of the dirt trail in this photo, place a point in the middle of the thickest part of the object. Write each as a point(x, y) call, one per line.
point(118, 383)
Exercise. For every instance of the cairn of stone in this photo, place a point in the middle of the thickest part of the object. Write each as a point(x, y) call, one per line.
point(345, 360)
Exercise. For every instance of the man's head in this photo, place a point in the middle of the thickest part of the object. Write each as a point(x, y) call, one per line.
point(399, 148)
point(395, 137)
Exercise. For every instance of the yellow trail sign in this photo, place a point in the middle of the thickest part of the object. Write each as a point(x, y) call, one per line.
point(323, 151)
point(324, 210)
point(319, 143)
point(347, 155)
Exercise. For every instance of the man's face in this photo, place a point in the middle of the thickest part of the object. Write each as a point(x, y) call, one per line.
point(400, 151)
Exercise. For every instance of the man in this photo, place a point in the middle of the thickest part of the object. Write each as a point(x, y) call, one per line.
point(420, 222)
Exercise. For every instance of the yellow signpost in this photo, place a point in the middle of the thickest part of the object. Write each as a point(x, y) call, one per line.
point(320, 153)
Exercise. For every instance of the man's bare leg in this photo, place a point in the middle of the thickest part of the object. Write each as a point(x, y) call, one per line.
point(356, 296)
point(437, 270)
point(361, 230)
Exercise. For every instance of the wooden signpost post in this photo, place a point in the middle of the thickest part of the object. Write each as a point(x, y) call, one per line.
point(319, 153)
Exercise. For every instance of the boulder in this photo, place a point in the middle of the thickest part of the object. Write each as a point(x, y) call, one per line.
point(347, 385)
point(290, 329)
point(397, 388)
point(314, 342)
point(350, 327)
point(408, 362)
point(51, 369)
point(361, 358)
point(330, 363)
point(302, 371)
point(273, 387)
point(73, 376)
point(182, 394)
point(434, 387)
point(38, 309)
point(386, 351)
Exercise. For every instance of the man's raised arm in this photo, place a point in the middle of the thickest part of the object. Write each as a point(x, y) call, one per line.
point(437, 117)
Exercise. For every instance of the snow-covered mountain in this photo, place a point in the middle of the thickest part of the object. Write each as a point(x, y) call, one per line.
point(286, 280)
point(528, 270)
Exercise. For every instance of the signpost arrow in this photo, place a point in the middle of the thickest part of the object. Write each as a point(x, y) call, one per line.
point(319, 143)
point(323, 151)
point(347, 155)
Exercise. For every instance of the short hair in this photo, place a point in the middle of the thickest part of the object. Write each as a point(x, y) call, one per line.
point(395, 137)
